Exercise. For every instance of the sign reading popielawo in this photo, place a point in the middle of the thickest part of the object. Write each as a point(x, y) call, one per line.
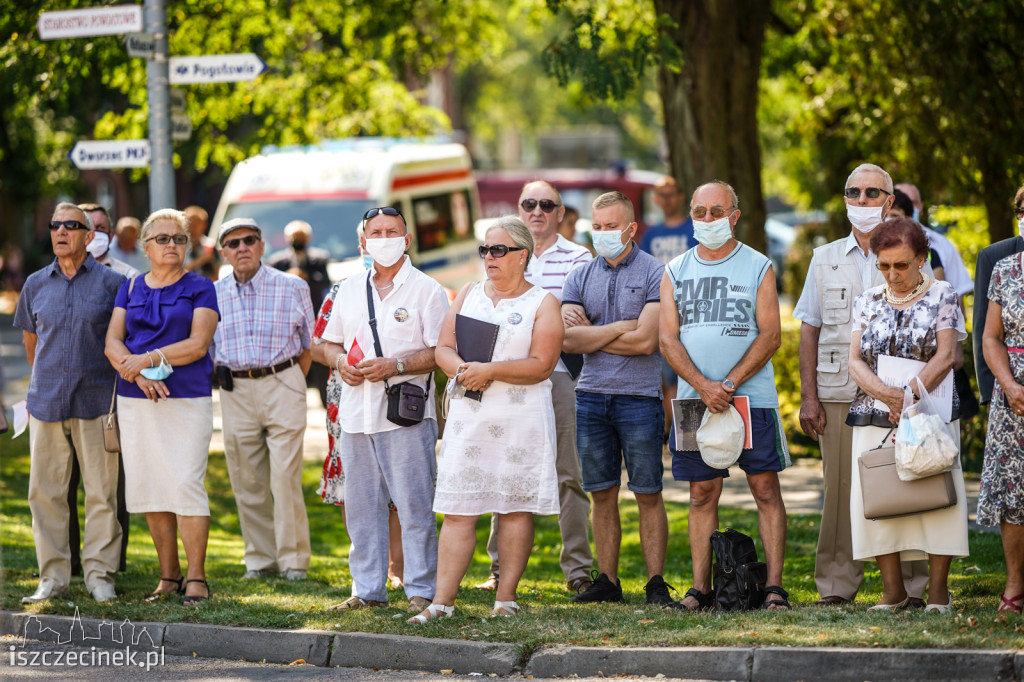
point(93, 21)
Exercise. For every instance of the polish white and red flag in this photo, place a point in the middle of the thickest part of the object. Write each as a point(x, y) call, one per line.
point(362, 347)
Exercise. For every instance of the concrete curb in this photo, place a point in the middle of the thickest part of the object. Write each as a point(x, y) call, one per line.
point(328, 649)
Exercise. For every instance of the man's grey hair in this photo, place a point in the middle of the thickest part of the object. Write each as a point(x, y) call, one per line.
point(174, 215)
point(733, 198)
point(517, 231)
point(876, 169)
point(543, 183)
point(68, 206)
point(611, 198)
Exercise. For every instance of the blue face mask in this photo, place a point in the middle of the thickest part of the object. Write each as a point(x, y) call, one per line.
point(916, 215)
point(713, 234)
point(367, 261)
point(608, 243)
point(160, 372)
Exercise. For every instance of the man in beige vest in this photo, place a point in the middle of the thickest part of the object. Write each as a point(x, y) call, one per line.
point(838, 274)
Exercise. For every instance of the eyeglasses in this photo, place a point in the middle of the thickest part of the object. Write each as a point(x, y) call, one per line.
point(546, 205)
point(498, 250)
point(869, 192)
point(164, 239)
point(899, 267)
point(67, 225)
point(1019, 212)
point(248, 240)
point(386, 210)
point(717, 212)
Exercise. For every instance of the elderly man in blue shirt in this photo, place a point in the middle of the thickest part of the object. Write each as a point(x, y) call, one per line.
point(63, 312)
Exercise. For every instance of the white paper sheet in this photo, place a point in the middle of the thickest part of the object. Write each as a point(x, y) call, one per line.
point(20, 418)
point(898, 372)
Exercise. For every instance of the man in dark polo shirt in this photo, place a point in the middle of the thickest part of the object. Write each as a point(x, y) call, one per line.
point(63, 312)
point(610, 307)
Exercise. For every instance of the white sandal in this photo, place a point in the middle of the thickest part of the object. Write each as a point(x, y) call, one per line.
point(432, 612)
point(505, 608)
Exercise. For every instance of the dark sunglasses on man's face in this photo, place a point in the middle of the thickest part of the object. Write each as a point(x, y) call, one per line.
point(248, 240)
point(899, 267)
point(67, 225)
point(546, 205)
point(164, 239)
point(498, 250)
point(1019, 212)
point(869, 192)
point(386, 210)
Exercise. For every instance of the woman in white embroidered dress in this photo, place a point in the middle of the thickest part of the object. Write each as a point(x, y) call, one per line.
point(498, 453)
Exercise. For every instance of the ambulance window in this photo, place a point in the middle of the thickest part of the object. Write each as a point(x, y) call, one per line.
point(442, 219)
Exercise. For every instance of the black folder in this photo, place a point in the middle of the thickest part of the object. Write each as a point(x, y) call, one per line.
point(474, 342)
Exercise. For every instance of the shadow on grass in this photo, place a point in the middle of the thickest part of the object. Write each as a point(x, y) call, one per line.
point(548, 616)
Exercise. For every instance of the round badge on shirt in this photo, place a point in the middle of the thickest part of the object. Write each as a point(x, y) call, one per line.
point(515, 318)
point(401, 315)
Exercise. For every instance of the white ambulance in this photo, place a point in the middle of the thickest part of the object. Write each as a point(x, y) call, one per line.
point(333, 184)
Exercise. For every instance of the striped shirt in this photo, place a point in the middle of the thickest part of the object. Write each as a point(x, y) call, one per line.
point(264, 321)
point(548, 270)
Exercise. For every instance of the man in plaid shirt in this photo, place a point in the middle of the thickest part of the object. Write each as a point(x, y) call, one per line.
point(262, 356)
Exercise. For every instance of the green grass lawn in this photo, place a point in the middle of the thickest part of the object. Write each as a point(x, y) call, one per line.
point(548, 616)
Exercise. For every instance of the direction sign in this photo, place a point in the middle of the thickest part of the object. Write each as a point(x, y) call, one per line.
point(181, 127)
point(220, 68)
point(93, 21)
point(140, 44)
point(89, 154)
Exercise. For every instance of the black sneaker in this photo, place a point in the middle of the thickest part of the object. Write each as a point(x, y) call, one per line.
point(601, 590)
point(657, 591)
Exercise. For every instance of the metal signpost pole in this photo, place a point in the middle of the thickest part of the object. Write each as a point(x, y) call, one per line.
point(161, 167)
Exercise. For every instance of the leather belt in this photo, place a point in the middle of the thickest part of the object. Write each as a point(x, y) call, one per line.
point(264, 371)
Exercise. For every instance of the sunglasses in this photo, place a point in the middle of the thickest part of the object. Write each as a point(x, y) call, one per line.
point(248, 240)
point(498, 250)
point(899, 267)
point(717, 212)
point(1019, 212)
point(546, 205)
point(67, 225)
point(164, 239)
point(386, 210)
point(869, 192)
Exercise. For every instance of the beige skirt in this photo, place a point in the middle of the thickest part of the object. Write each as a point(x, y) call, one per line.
point(165, 446)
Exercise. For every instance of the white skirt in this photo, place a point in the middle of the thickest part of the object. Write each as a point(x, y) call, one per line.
point(165, 446)
point(941, 532)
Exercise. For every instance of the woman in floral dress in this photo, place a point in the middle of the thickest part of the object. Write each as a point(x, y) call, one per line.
point(1001, 501)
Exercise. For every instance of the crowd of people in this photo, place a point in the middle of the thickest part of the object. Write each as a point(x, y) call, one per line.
point(562, 366)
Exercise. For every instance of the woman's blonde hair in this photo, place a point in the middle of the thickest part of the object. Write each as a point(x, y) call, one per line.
point(517, 231)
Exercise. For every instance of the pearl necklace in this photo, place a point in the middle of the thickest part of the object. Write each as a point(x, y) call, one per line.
point(900, 300)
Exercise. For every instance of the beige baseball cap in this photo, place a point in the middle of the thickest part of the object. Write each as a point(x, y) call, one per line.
point(720, 438)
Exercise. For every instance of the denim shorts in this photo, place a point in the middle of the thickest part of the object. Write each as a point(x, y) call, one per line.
point(668, 375)
point(612, 428)
point(770, 451)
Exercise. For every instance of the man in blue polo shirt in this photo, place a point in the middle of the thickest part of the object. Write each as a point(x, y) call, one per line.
point(610, 309)
point(63, 312)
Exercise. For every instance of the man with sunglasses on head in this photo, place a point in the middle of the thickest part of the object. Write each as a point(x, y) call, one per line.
point(63, 312)
point(262, 356)
point(375, 354)
point(554, 257)
point(840, 272)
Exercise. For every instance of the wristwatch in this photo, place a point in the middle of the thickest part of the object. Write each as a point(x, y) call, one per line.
point(729, 385)
point(400, 366)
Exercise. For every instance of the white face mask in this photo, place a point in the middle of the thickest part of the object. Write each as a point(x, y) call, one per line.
point(608, 243)
point(386, 251)
point(864, 218)
point(713, 234)
point(1020, 226)
point(99, 245)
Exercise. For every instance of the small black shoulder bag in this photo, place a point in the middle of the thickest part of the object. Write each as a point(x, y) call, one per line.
point(407, 402)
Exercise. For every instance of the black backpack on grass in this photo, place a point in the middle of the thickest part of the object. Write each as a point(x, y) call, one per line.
point(739, 578)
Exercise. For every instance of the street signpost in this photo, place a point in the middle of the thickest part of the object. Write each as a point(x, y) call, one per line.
point(90, 154)
point(219, 68)
point(93, 21)
point(140, 44)
point(181, 127)
point(177, 101)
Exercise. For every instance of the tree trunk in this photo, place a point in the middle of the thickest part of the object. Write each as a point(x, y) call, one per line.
point(710, 104)
point(997, 190)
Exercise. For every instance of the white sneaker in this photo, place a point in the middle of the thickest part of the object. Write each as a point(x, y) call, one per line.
point(48, 589)
point(252, 574)
point(294, 574)
point(103, 592)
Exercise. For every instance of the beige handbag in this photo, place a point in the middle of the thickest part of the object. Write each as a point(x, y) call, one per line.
point(111, 433)
point(886, 496)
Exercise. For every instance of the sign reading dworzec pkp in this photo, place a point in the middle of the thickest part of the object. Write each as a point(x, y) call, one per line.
point(90, 154)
